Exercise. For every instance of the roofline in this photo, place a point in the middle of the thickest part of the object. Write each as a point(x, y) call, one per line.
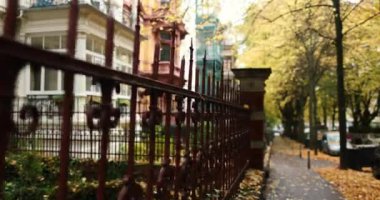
point(87, 6)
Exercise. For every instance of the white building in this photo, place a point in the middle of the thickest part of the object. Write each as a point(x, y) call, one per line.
point(44, 24)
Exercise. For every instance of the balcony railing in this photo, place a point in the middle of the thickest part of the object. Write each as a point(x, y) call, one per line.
point(120, 13)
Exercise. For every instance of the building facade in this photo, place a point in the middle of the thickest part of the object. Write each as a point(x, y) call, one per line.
point(208, 26)
point(43, 24)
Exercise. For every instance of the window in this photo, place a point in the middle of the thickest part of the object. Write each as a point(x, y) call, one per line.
point(37, 42)
point(165, 52)
point(165, 35)
point(124, 55)
point(63, 41)
point(41, 78)
point(95, 44)
point(89, 44)
point(96, 4)
point(165, 38)
point(165, 2)
point(95, 50)
point(88, 83)
point(52, 42)
point(125, 90)
point(98, 46)
point(95, 59)
point(35, 78)
point(51, 77)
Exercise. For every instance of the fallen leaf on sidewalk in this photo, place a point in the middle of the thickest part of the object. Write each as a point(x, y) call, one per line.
point(251, 185)
point(353, 185)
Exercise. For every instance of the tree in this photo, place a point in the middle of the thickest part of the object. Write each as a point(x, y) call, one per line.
point(363, 75)
point(316, 52)
point(304, 53)
point(341, 13)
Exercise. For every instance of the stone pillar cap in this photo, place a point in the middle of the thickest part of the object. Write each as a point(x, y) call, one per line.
point(243, 73)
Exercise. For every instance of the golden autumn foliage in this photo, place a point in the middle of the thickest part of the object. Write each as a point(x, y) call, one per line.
point(354, 185)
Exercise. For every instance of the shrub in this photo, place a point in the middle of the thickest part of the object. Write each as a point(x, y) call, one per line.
point(33, 177)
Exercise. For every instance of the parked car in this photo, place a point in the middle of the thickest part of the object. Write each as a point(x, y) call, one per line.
point(364, 151)
point(330, 143)
point(374, 138)
point(376, 163)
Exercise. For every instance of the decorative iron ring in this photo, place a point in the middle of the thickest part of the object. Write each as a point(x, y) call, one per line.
point(93, 111)
point(180, 117)
point(115, 113)
point(30, 111)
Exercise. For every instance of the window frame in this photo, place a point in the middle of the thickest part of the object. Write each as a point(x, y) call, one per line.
point(61, 49)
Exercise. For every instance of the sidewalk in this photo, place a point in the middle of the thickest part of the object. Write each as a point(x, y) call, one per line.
point(290, 178)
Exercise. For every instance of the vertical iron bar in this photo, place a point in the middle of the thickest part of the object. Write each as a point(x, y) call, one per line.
point(228, 143)
point(230, 136)
point(182, 71)
point(9, 29)
point(188, 107)
point(208, 137)
point(218, 129)
point(214, 123)
point(7, 85)
point(213, 93)
point(68, 104)
point(222, 133)
point(179, 119)
point(135, 69)
point(195, 135)
point(195, 119)
point(172, 52)
point(106, 89)
point(152, 123)
point(202, 131)
point(168, 99)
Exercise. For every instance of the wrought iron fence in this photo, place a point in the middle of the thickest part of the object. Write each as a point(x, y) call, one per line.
point(208, 147)
point(84, 142)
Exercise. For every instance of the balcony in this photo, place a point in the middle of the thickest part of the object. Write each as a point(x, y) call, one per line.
point(23, 4)
point(51, 3)
point(118, 7)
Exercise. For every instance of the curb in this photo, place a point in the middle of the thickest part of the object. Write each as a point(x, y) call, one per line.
point(267, 156)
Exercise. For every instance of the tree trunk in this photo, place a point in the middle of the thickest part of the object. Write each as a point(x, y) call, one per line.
point(340, 82)
point(333, 116)
point(313, 115)
point(324, 113)
point(300, 107)
point(288, 121)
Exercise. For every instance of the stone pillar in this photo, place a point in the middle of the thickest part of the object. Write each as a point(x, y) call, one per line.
point(252, 90)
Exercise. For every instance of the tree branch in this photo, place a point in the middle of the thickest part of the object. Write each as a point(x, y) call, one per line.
point(353, 8)
point(298, 10)
point(361, 23)
point(259, 12)
point(322, 35)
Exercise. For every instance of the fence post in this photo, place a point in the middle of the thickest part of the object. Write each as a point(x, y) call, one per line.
point(9, 69)
point(68, 105)
point(252, 90)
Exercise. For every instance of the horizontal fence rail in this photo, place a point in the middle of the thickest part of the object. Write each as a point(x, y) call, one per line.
point(174, 142)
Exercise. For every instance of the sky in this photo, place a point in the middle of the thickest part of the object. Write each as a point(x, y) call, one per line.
point(233, 10)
